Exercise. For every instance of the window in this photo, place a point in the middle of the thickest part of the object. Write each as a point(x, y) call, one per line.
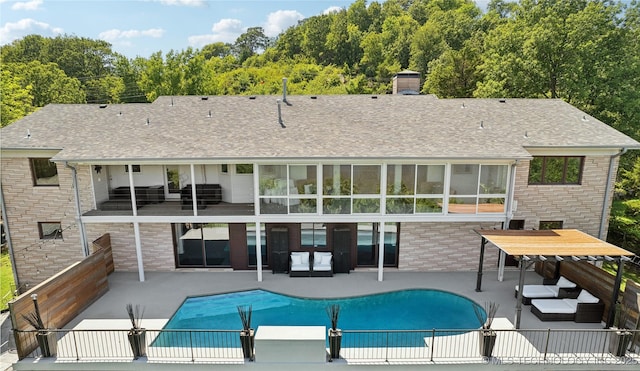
point(202, 245)
point(45, 172)
point(135, 168)
point(244, 169)
point(556, 170)
point(224, 168)
point(550, 224)
point(313, 235)
point(50, 230)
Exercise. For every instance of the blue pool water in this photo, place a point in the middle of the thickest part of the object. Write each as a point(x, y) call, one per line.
point(416, 309)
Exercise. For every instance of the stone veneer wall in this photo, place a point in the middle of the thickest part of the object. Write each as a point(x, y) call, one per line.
point(578, 206)
point(442, 246)
point(27, 205)
point(157, 245)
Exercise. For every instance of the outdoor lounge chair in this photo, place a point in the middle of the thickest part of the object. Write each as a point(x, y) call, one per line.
point(299, 264)
point(322, 264)
point(585, 308)
point(563, 288)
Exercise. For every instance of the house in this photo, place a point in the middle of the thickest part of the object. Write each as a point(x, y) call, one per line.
point(381, 181)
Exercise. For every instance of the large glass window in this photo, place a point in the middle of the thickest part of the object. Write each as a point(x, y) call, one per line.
point(556, 170)
point(429, 188)
point(477, 188)
point(410, 189)
point(273, 189)
point(203, 245)
point(336, 183)
point(400, 188)
point(305, 188)
point(44, 172)
point(369, 246)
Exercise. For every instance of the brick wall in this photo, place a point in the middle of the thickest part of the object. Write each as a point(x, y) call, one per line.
point(578, 206)
point(27, 205)
point(443, 247)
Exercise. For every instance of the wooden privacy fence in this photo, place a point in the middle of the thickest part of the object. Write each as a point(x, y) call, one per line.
point(63, 296)
point(104, 243)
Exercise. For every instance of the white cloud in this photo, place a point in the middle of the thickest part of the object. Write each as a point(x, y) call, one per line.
point(332, 9)
point(27, 5)
point(281, 20)
point(14, 30)
point(116, 34)
point(226, 30)
point(183, 2)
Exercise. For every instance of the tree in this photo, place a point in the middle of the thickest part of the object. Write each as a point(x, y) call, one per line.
point(216, 50)
point(15, 98)
point(343, 41)
point(453, 74)
point(47, 83)
point(249, 43)
point(397, 35)
point(314, 36)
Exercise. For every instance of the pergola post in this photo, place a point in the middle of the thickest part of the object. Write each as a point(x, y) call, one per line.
point(479, 280)
point(614, 295)
point(523, 267)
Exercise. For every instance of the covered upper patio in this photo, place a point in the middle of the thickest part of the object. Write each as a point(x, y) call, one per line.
point(555, 245)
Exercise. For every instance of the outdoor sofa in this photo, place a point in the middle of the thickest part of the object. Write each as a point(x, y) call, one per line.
point(560, 289)
point(586, 308)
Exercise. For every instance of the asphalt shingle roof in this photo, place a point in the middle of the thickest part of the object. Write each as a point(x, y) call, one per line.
point(317, 127)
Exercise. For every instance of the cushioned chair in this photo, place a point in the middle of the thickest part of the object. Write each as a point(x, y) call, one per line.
point(563, 288)
point(584, 308)
point(299, 264)
point(322, 264)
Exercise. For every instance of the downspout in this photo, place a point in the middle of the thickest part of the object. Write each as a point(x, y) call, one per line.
point(83, 234)
point(8, 234)
point(607, 192)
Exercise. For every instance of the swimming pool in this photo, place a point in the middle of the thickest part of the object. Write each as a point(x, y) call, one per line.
point(415, 309)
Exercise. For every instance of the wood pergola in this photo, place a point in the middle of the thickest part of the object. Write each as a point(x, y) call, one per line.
point(555, 245)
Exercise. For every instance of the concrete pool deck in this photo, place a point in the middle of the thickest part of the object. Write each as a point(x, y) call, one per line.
point(163, 292)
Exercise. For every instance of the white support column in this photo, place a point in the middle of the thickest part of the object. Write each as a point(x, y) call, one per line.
point(136, 225)
point(136, 233)
point(259, 251)
point(256, 190)
point(132, 190)
point(193, 190)
point(381, 251)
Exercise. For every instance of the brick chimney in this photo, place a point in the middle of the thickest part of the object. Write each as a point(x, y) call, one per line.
point(406, 83)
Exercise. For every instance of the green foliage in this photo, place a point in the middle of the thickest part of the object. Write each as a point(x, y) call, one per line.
point(624, 225)
point(15, 98)
point(6, 279)
point(629, 184)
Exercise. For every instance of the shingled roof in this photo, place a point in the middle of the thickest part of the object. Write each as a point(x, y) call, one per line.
point(231, 128)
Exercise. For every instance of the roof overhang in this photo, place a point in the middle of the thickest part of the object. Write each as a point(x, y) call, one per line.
point(558, 244)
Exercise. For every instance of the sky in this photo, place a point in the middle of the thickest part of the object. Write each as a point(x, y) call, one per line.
point(142, 27)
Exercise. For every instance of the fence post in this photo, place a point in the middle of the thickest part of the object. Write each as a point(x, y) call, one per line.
point(546, 345)
point(75, 345)
point(433, 342)
point(386, 348)
point(193, 359)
